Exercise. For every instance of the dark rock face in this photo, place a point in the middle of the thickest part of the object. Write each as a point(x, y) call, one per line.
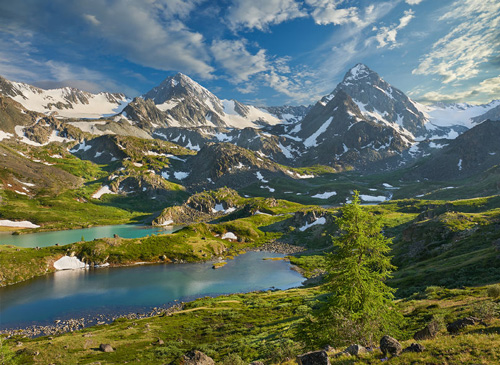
point(389, 345)
point(367, 88)
point(196, 358)
point(338, 133)
point(492, 114)
point(427, 333)
point(471, 153)
point(106, 347)
point(415, 347)
point(314, 358)
point(459, 324)
point(145, 113)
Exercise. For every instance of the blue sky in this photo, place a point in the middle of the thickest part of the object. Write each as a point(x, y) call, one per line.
point(266, 52)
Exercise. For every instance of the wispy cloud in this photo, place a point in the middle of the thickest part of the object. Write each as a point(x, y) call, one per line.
point(386, 36)
point(328, 12)
point(413, 2)
point(486, 90)
point(472, 42)
point(237, 61)
point(260, 14)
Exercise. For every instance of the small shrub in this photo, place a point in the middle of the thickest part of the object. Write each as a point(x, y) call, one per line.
point(432, 292)
point(232, 359)
point(486, 310)
point(494, 291)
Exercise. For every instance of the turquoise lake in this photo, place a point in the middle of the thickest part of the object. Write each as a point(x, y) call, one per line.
point(43, 239)
point(79, 293)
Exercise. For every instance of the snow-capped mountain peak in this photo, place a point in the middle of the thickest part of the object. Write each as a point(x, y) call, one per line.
point(64, 102)
point(358, 72)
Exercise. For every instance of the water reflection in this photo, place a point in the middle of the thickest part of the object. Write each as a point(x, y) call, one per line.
point(68, 294)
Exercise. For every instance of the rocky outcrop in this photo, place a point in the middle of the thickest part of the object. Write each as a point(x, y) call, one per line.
point(428, 332)
point(194, 358)
point(356, 350)
point(414, 347)
point(389, 345)
point(200, 207)
point(106, 347)
point(314, 358)
point(461, 323)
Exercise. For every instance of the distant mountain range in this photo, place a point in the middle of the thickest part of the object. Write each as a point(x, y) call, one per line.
point(364, 123)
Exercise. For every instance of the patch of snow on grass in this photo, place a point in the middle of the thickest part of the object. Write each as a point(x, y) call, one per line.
point(459, 165)
point(180, 175)
point(229, 236)
point(318, 221)
point(272, 190)
point(68, 263)
point(370, 198)
point(19, 224)
point(103, 190)
point(325, 195)
point(80, 147)
point(4, 135)
point(260, 177)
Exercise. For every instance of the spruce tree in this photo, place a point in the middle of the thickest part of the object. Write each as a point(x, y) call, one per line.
point(360, 307)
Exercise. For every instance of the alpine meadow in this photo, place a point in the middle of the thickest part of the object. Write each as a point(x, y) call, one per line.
point(266, 182)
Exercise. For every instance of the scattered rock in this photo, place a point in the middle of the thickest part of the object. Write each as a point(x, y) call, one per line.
point(342, 353)
point(106, 347)
point(159, 341)
point(196, 358)
point(414, 347)
point(459, 324)
point(389, 345)
point(256, 363)
point(314, 358)
point(329, 348)
point(428, 332)
point(356, 350)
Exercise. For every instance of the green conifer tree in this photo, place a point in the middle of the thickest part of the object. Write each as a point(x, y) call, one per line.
point(360, 308)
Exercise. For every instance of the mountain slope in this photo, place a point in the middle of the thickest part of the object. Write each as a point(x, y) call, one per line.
point(337, 132)
point(379, 101)
point(469, 154)
point(185, 103)
point(64, 102)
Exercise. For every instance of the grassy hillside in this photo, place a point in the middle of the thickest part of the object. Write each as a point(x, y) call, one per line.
point(266, 326)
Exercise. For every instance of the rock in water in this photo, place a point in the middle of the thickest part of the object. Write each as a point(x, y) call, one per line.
point(389, 345)
point(106, 347)
point(314, 358)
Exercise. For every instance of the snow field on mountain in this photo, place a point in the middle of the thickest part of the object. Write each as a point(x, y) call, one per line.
point(38, 99)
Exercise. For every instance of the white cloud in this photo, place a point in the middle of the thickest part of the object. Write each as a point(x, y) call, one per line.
point(150, 35)
point(386, 36)
point(237, 61)
point(327, 12)
point(485, 91)
point(259, 14)
point(91, 19)
point(286, 86)
point(474, 41)
point(413, 2)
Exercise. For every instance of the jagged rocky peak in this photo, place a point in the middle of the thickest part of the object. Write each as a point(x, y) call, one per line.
point(360, 71)
point(181, 86)
point(379, 101)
